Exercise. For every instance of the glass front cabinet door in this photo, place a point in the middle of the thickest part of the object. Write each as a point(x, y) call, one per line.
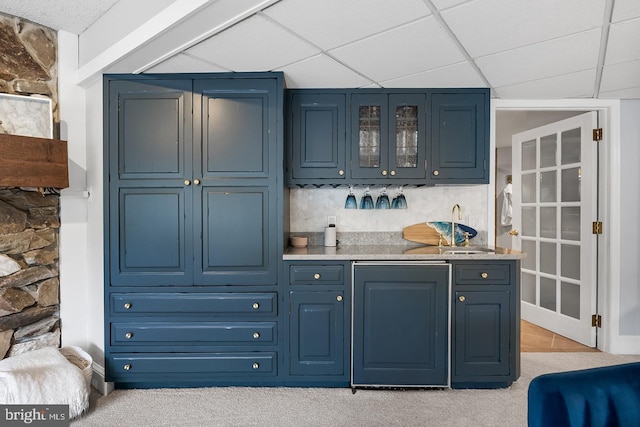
point(388, 136)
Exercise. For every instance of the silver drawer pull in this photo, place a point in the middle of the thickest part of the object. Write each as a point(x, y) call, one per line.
point(126, 367)
point(339, 298)
point(256, 306)
point(461, 298)
point(128, 335)
point(256, 365)
point(484, 275)
point(316, 276)
point(127, 305)
point(256, 335)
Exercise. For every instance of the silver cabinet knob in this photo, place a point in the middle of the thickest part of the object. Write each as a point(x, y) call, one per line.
point(484, 275)
point(256, 306)
point(128, 335)
point(196, 181)
point(461, 298)
point(187, 182)
point(256, 365)
point(126, 367)
point(340, 172)
point(392, 173)
point(339, 298)
point(436, 173)
point(316, 276)
point(384, 172)
point(256, 335)
point(127, 305)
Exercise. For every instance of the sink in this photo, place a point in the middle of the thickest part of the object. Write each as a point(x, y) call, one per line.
point(467, 250)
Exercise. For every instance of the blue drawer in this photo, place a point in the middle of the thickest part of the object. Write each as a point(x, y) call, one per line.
point(316, 274)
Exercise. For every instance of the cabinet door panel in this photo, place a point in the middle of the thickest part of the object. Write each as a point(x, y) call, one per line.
point(482, 333)
point(318, 136)
point(150, 237)
point(236, 118)
point(150, 129)
point(237, 225)
point(369, 135)
point(407, 123)
point(316, 337)
point(400, 325)
point(459, 137)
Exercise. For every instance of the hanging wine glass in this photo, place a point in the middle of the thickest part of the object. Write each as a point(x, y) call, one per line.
point(383, 199)
point(367, 201)
point(399, 202)
point(351, 202)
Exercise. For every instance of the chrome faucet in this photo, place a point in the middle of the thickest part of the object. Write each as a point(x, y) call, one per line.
point(453, 222)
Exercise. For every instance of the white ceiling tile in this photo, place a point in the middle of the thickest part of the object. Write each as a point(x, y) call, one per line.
point(624, 42)
point(630, 93)
point(321, 71)
point(559, 56)
point(332, 23)
point(182, 63)
point(489, 26)
point(405, 50)
point(457, 75)
point(575, 85)
point(255, 44)
point(625, 9)
point(446, 4)
point(620, 76)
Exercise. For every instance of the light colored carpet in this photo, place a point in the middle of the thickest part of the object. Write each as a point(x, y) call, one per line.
point(248, 406)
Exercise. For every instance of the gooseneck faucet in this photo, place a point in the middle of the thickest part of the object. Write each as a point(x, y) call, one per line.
point(453, 222)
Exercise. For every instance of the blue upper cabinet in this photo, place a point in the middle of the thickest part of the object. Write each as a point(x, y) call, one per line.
point(387, 137)
point(394, 136)
point(459, 137)
point(317, 135)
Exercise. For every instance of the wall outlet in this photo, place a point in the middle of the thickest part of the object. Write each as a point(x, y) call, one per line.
point(331, 219)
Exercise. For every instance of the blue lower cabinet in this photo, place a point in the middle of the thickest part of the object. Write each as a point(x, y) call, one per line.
point(316, 337)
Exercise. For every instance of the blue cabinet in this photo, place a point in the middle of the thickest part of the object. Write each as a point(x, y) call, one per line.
point(459, 137)
point(317, 135)
point(194, 227)
point(400, 325)
point(319, 312)
point(486, 327)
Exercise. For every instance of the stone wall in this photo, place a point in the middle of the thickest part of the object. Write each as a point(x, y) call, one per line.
point(29, 220)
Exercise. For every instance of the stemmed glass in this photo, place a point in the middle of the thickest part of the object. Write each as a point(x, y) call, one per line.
point(351, 202)
point(367, 201)
point(383, 200)
point(399, 202)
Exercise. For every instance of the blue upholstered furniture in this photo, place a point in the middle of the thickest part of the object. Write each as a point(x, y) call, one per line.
point(606, 396)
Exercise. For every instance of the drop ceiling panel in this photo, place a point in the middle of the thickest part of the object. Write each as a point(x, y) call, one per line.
point(542, 60)
point(406, 50)
point(332, 23)
point(620, 76)
point(255, 44)
point(490, 26)
point(457, 75)
point(625, 9)
point(323, 72)
point(624, 42)
point(446, 4)
point(183, 63)
point(575, 85)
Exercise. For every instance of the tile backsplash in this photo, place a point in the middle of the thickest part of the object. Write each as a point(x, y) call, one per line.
point(310, 208)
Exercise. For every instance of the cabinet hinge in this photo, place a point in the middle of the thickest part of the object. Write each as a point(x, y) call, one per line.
point(596, 321)
point(597, 134)
point(596, 227)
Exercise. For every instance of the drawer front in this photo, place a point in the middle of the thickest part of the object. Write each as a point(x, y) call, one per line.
point(194, 303)
point(194, 333)
point(259, 363)
point(316, 274)
point(483, 274)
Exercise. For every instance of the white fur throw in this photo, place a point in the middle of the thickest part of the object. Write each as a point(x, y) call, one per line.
point(41, 377)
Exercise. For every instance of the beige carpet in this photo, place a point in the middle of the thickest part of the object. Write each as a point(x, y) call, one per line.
point(306, 407)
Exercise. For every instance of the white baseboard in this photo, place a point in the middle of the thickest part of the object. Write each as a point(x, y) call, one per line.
point(626, 344)
point(98, 382)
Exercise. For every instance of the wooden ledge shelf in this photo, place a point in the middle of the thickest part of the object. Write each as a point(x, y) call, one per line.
point(33, 162)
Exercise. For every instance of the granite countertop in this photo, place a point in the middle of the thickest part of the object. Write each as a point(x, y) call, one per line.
point(396, 253)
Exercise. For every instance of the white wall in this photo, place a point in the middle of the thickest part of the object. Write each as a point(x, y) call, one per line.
point(629, 218)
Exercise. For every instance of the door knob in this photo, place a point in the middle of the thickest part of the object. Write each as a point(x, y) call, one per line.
point(187, 182)
point(196, 181)
point(514, 232)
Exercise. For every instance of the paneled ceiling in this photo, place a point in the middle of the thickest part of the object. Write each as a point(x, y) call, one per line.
point(521, 49)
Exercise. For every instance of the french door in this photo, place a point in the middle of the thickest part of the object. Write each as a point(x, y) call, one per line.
point(555, 181)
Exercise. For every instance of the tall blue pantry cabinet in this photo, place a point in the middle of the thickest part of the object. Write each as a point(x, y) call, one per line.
point(194, 228)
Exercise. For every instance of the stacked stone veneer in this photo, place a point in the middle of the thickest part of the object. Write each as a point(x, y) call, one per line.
point(29, 221)
point(29, 284)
